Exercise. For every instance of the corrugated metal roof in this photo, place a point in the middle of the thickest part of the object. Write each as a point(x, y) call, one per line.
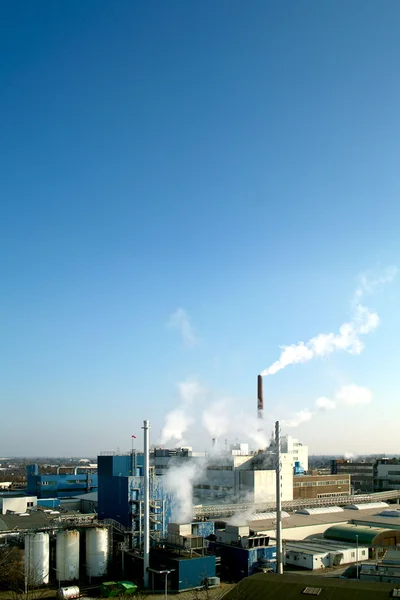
point(352, 533)
point(321, 510)
point(321, 547)
point(366, 506)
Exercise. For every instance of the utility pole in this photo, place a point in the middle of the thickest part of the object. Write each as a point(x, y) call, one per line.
point(146, 501)
point(278, 471)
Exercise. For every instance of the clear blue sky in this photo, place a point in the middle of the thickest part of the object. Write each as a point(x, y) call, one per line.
point(238, 160)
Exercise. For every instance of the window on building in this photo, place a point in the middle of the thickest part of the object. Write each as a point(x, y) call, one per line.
point(353, 555)
point(29, 504)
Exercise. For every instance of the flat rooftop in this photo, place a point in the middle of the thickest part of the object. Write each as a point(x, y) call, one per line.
point(356, 516)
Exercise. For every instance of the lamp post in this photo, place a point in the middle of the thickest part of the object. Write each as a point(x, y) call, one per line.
point(165, 572)
point(357, 555)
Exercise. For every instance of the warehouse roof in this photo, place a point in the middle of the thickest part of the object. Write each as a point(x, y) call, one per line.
point(266, 586)
point(297, 520)
point(321, 546)
point(350, 533)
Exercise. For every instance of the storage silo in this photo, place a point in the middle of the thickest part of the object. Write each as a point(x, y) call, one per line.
point(37, 558)
point(67, 555)
point(96, 552)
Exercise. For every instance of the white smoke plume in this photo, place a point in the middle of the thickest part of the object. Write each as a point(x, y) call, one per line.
point(354, 395)
point(348, 338)
point(179, 482)
point(300, 417)
point(179, 419)
point(180, 321)
point(348, 396)
point(216, 419)
point(176, 423)
point(324, 404)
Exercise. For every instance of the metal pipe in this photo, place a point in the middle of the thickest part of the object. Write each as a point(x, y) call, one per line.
point(278, 471)
point(146, 500)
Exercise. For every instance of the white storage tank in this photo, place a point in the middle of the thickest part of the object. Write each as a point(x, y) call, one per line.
point(37, 557)
point(67, 555)
point(96, 552)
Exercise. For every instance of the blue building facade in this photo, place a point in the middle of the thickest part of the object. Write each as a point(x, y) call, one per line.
point(59, 485)
point(237, 562)
point(187, 573)
point(121, 496)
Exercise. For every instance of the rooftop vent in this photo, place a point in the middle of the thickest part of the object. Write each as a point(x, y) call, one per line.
point(396, 593)
point(312, 591)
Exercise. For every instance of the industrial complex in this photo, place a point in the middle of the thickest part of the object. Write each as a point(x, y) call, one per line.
point(172, 518)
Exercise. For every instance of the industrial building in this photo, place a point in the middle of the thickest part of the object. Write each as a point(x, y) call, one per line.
point(16, 502)
point(361, 473)
point(320, 486)
point(60, 485)
point(366, 535)
point(266, 586)
point(121, 496)
point(297, 450)
point(320, 554)
point(315, 521)
point(387, 474)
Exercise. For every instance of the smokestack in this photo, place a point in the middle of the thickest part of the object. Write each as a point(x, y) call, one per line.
point(278, 470)
point(146, 500)
point(260, 397)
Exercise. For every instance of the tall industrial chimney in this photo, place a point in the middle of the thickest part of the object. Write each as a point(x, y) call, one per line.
point(260, 397)
point(146, 500)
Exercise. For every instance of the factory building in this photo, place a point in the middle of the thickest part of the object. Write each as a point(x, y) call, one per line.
point(368, 536)
point(121, 495)
point(387, 474)
point(320, 486)
point(362, 474)
point(59, 485)
point(16, 503)
point(315, 521)
point(164, 458)
point(232, 474)
point(238, 477)
point(240, 552)
point(296, 450)
point(321, 554)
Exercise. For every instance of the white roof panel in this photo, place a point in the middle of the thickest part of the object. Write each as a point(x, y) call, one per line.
point(367, 505)
point(320, 510)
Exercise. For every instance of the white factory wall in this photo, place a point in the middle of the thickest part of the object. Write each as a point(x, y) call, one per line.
point(312, 559)
point(260, 486)
point(18, 505)
point(296, 449)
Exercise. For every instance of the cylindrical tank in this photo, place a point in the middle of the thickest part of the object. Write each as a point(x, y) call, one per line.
point(37, 555)
point(65, 593)
point(96, 552)
point(67, 555)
